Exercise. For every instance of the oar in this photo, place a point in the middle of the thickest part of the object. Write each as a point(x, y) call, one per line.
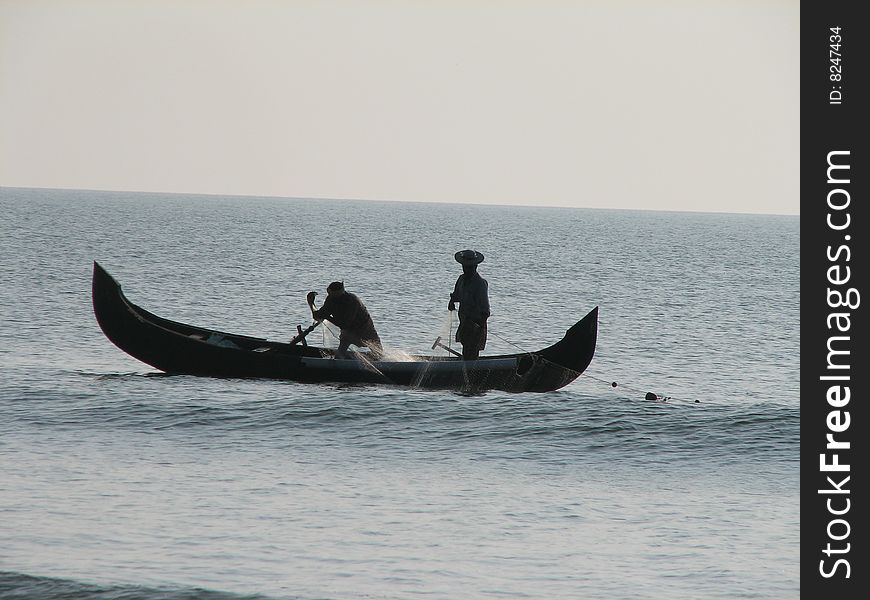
point(301, 335)
point(438, 344)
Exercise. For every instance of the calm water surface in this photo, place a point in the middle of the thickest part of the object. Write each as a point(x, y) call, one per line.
point(118, 482)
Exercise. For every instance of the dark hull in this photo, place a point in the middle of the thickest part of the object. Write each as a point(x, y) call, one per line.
point(185, 349)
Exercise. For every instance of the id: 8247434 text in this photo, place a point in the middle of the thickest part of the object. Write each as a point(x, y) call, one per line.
point(835, 71)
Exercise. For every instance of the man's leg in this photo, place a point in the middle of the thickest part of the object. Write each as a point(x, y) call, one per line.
point(469, 335)
point(343, 343)
point(470, 351)
point(347, 339)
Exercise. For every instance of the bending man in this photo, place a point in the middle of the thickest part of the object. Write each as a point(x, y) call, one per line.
point(472, 293)
point(349, 313)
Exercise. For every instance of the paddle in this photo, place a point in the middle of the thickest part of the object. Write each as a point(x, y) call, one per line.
point(300, 337)
point(438, 344)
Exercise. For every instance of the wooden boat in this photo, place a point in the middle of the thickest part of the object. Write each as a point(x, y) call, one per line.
point(177, 348)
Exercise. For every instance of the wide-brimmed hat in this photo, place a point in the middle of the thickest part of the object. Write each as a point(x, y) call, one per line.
point(468, 257)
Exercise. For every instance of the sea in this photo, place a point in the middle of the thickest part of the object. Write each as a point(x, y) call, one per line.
point(118, 482)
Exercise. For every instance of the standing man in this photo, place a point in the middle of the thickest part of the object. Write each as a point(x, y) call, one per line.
point(472, 293)
point(350, 314)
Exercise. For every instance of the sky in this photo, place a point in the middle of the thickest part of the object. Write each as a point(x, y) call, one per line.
point(632, 104)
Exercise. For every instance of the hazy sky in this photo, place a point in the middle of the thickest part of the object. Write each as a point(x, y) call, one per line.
point(678, 104)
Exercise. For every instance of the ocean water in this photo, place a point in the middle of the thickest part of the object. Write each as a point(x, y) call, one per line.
point(117, 482)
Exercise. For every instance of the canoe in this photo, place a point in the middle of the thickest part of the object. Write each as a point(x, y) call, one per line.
point(177, 348)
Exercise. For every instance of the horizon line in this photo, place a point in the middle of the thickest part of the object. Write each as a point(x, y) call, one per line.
point(399, 201)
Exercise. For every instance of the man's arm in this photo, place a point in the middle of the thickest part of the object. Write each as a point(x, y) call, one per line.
point(454, 296)
point(321, 313)
point(484, 300)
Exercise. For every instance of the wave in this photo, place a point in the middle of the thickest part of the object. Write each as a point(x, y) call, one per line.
point(19, 586)
point(556, 425)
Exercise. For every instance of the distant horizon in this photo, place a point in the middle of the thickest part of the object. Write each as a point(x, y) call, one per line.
point(397, 201)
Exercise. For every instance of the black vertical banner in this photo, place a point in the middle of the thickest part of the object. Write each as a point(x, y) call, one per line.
point(835, 369)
